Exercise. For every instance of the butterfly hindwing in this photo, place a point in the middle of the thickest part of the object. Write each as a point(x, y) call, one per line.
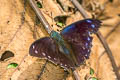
point(47, 48)
point(78, 37)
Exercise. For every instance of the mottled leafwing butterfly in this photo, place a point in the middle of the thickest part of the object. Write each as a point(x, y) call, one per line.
point(69, 48)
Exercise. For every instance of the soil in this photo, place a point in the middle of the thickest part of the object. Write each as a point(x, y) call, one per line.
point(18, 29)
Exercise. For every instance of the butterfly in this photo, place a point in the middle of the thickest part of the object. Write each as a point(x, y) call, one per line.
point(71, 47)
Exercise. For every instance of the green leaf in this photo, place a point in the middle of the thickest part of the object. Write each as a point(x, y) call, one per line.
point(39, 5)
point(91, 71)
point(111, 1)
point(12, 65)
point(93, 78)
point(60, 24)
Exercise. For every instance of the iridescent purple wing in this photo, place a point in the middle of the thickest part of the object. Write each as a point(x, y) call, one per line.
point(78, 37)
point(47, 48)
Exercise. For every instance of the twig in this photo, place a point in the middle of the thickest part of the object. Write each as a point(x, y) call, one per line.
point(84, 14)
point(109, 55)
point(79, 7)
point(76, 75)
point(104, 43)
point(46, 25)
point(116, 26)
point(40, 16)
point(43, 68)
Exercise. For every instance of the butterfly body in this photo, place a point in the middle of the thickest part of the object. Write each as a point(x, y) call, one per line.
point(59, 40)
point(69, 48)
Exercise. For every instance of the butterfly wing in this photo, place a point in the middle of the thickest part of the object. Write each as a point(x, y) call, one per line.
point(47, 48)
point(78, 37)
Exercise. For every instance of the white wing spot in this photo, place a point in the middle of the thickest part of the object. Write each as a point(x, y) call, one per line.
point(55, 59)
point(88, 38)
point(86, 44)
point(88, 50)
point(43, 54)
point(86, 55)
point(33, 47)
point(46, 26)
point(89, 32)
point(61, 64)
point(49, 57)
point(65, 65)
point(93, 26)
point(89, 21)
point(83, 48)
point(36, 51)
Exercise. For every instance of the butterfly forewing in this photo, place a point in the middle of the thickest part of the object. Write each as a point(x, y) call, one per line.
point(40, 48)
point(78, 37)
point(47, 48)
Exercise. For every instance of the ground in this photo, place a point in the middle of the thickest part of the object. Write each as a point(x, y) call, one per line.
point(17, 34)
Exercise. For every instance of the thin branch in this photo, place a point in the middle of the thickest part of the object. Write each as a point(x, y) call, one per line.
point(76, 75)
point(46, 25)
point(109, 55)
point(104, 43)
point(43, 68)
point(40, 16)
point(114, 28)
point(84, 14)
point(79, 7)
